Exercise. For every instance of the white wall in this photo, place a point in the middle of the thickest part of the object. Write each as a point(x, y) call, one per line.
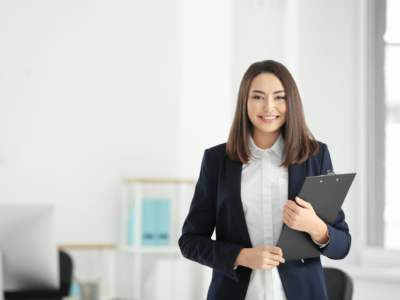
point(205, 107)
point(92, 92)
point(89, 94)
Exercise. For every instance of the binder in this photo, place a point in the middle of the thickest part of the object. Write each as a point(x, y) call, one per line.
point(155, 222)
point(326, 194)
point(163, 225)
point(149, 222)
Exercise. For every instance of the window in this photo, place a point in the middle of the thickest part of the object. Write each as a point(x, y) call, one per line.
point(391, 41)
point(383, 126)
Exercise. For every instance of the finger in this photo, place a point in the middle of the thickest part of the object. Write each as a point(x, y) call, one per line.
point(276, 250)
point(284, 219)
point(293, 206)
point(277, 257)
point(272, 262)
point(303, 202)
point(286, 214)
point(280, 259)
point(288, 210)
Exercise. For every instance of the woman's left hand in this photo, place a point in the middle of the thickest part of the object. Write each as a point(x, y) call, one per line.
point(300, 218)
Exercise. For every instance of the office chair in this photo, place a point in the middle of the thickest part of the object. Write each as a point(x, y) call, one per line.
point(339, 285)
point(66, 269)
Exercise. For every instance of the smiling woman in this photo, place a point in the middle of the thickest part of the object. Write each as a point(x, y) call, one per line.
point(247, 190)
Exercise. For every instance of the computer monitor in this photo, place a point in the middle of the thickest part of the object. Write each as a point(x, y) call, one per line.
point(29, 254)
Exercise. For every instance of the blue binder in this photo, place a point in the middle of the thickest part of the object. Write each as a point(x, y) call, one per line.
point(149, 222)
point(163, 228)
point(155, 222)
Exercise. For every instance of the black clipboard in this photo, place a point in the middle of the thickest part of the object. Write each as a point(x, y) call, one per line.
point(326, 194)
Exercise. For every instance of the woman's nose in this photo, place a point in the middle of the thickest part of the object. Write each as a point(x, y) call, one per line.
point(269, 104)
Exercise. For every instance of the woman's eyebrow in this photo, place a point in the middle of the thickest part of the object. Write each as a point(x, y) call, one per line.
point(261, 92)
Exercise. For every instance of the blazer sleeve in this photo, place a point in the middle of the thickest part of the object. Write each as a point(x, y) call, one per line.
point(195, 242)
point(340, 238)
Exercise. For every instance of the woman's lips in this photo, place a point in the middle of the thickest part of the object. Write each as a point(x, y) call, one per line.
point(269, 121)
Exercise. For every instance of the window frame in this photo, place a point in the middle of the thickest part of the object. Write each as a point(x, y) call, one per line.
point(370, 149)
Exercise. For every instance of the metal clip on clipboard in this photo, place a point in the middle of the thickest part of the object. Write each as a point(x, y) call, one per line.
point(330, 172)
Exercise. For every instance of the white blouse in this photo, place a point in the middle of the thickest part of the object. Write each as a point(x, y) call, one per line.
point(264, 192)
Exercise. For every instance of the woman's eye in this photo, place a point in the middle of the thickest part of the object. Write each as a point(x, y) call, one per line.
point(259, 97)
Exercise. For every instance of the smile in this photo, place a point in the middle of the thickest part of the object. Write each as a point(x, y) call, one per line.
point(269, 120)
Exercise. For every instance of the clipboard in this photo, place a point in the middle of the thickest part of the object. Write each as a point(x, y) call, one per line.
point(326, 194)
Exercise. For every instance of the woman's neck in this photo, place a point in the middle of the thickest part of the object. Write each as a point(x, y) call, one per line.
point(264, 140)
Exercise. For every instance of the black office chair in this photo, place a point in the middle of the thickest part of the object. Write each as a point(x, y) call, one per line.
point(339, 285)
point(66, 271)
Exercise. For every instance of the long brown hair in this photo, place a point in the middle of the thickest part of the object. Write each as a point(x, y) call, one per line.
point(299, 141)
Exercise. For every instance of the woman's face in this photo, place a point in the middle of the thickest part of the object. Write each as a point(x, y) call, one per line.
point(266, 98)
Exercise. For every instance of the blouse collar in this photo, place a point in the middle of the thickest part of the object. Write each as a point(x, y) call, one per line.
point(277, 147)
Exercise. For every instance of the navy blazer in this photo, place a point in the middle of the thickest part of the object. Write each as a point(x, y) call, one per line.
point(217, 204)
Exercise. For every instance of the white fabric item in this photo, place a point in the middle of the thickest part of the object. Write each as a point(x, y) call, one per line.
point(264, 192)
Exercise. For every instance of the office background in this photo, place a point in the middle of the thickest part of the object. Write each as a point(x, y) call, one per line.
point(95, 91)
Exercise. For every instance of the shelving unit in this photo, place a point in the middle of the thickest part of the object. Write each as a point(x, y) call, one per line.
point(137, 184)
point(161, 249)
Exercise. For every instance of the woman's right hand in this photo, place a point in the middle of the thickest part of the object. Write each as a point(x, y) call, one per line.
point(261, 258)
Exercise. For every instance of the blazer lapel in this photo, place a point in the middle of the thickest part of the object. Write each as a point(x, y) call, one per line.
point(233, 182)
point(297, 176)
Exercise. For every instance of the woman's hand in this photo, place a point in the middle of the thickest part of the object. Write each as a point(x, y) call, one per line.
point(303, 218)
point(261, 258)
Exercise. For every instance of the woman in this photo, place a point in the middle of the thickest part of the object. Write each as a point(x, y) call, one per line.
point(247, 190)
